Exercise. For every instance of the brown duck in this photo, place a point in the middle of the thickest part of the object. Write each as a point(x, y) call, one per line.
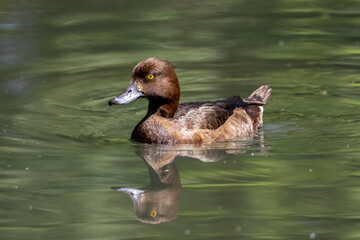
point(168, 122)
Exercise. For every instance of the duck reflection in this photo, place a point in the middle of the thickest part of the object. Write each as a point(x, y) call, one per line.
point(159, 201)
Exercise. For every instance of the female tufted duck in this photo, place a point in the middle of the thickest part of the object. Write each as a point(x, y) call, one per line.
point(168, 122)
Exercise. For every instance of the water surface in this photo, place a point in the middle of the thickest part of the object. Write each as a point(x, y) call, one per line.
point(62, 148)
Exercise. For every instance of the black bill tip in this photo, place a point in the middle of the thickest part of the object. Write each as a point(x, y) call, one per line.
point(113, 101)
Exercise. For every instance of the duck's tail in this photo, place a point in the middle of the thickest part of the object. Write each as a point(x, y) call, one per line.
point(259, 96)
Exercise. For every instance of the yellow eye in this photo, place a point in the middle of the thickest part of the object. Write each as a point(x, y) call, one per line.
point(150, 76)
point(153, 213)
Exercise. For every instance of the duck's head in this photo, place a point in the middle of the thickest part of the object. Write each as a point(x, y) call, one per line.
point(154, 79)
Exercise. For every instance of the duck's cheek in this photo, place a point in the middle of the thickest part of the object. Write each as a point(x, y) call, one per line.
point(140, 87)
point(146, 90)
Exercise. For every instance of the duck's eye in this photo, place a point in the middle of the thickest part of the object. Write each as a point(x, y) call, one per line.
point(150, 76)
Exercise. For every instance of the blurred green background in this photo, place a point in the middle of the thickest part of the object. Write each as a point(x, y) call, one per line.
point(62, 147)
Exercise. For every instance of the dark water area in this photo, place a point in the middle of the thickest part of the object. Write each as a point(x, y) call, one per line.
point(69, 171)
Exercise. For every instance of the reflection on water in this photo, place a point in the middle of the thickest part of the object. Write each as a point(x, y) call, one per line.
point(159, 201)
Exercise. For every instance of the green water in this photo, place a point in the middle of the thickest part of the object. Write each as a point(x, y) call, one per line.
point(62, 148)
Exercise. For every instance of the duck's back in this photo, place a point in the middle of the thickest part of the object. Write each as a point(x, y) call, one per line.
point(207, 115)
point(212, 115)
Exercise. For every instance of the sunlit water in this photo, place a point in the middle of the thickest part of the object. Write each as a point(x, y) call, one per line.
point(62, 148)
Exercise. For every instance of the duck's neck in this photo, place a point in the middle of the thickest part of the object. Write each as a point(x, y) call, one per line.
point(143, 132)
point(163, 107)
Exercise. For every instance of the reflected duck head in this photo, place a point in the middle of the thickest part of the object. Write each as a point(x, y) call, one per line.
point(154, 205)
point(154, 79)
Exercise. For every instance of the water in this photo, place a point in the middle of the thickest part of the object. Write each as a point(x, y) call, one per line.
point(62, 148)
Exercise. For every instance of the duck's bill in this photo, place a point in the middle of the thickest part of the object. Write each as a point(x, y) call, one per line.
point(130, 94)
point(132, 192)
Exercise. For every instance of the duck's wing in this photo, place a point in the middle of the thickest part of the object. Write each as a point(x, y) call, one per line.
point(207, 115)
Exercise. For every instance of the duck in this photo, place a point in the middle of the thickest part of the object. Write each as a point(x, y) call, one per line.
point(169, 122)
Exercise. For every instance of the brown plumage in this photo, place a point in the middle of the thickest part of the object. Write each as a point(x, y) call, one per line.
point(167, 122)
